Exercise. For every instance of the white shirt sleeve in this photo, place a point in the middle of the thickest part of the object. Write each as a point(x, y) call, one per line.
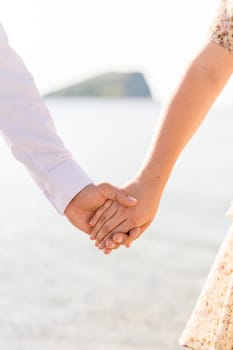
point(27, 127)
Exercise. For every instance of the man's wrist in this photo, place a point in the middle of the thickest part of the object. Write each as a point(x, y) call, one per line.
point(86, 191)
point(64, 183)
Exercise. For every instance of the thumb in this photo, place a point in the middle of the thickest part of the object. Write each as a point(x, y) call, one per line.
point(111, 192)
point(125, 199)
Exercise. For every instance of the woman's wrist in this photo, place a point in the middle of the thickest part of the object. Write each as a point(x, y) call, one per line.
point(144, 183)
point(153, 179)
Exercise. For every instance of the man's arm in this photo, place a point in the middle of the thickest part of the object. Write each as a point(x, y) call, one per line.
point(27, 127)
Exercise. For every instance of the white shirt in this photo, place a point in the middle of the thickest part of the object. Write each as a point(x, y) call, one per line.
point(27, 127)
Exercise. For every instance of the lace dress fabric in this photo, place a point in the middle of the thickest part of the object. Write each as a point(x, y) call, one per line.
point(210, 326)
point(221, 29)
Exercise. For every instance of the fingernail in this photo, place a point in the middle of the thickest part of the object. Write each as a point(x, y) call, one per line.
point(132, 198)
point(107, 252)
point(119, 240)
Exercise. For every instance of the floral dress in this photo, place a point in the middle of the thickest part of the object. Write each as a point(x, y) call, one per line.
point(210, 326)
point(221, 29)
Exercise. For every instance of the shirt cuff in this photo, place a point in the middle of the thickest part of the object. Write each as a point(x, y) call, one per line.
point(64, 182)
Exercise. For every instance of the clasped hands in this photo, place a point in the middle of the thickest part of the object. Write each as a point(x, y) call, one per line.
point(111, 216)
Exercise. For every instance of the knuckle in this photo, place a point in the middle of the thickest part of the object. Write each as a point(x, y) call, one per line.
point(117, 236)
point(106, 228)
point(104, 242)
point(104, 217)
point(101, 185)
point(98, 213)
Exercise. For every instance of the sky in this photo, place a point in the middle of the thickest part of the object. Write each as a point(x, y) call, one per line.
point(65, 41)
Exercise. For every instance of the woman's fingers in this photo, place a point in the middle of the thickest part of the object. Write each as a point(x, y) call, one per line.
point(106, 217)
point(107, 251)
point(110, 244)
point(127, 240)
point(115, 240)
point(99, 212)
point(108, 241)
point(134, 233)
point(104, 233)
point(120, 238)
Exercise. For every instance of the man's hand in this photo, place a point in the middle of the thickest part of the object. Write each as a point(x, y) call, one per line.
point(83, 206)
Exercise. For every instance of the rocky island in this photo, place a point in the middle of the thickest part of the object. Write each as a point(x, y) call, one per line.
point(113, 84)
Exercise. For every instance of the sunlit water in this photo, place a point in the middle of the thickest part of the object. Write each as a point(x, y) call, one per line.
point(57, 291)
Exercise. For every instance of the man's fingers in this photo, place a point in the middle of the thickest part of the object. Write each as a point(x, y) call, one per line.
point(108, 228)
point(109, 222)
point(99, 212)
point(116, 227)
point(106, 217)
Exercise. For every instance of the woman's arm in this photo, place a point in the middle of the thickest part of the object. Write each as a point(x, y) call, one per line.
point(187, 107)
point(199, 87)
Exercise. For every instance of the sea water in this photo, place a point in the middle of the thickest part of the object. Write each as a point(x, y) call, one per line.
point(59, 292)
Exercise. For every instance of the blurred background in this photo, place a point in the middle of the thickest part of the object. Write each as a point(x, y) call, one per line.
point(104, 69)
